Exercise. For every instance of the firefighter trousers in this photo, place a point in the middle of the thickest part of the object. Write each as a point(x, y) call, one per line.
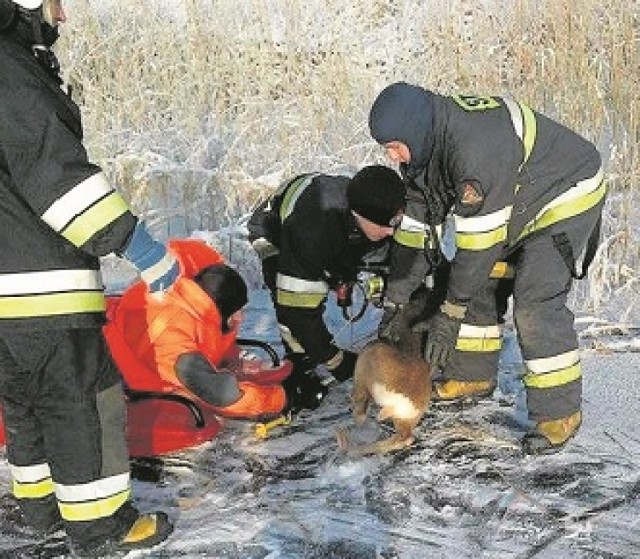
point(65, 419)
point(544, 325)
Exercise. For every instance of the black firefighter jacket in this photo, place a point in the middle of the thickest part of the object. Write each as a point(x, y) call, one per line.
point(319, 244)
point(507, 172)
point(58, 213)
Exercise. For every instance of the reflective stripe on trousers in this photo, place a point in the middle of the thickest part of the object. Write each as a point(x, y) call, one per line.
point(64, 412)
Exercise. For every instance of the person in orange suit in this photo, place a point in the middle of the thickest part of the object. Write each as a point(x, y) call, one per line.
point(188, 337)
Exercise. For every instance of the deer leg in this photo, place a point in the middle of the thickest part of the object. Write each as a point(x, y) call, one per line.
point(360, 400)
point(342, 437)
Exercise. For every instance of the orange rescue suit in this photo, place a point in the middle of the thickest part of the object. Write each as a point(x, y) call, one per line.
point(147, 334)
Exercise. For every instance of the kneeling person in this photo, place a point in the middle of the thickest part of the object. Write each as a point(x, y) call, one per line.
point(188, 338)
point(312, 234)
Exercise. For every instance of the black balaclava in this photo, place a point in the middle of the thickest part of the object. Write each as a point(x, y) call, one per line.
point(226, 287)
point(404, 113)
point(29, 28)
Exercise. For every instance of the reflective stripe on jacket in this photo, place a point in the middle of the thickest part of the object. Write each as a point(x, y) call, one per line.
point(527, 172)
point(58, 213)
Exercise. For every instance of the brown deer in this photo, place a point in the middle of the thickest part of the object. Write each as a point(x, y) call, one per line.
point(396, 378)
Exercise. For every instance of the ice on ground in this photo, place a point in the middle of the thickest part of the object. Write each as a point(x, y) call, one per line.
point(462, 490)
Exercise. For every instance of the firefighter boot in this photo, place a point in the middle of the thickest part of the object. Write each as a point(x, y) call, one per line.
point(451, 391)
point(551, 436)
point(41, 516)
point(134, 531)
point(148, 530)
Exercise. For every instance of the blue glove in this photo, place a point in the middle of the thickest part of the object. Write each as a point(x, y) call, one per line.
point(157, 267)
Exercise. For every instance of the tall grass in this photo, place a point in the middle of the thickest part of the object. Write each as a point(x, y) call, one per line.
point(198, 107)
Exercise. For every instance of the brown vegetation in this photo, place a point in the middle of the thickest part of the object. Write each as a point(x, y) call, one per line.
point(254, 91)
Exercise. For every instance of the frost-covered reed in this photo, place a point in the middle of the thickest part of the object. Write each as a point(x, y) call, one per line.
point(198, 107)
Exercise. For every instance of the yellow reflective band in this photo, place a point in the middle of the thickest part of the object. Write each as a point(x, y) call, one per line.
point(481, 241)
point(76, 201)
point(35, 490)
point(303, 300)
point(294, 190)
point(289, 339)
point(92, 510)
point(502, 270)
point(95, 490)
point(30, 474)
point(567, 209)
point(299, 285)
point(480, 345)
point(411, 239)
point(553, 379)
point(51, 305)
point(96, 218)
point(525, 126)
point(482, 339)
point(483, 223)
point(530, 131)
point(516, 115)
point(472, 331)
point(544, 365)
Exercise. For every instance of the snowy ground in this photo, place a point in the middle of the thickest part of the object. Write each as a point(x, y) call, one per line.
point(462, 490)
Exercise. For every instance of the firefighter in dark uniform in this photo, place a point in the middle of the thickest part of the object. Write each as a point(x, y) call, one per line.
point(527, 195)
point(61, 392)
point(311, 236)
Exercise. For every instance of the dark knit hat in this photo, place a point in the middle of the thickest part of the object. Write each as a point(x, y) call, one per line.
point(225, 286)
point(376, 193)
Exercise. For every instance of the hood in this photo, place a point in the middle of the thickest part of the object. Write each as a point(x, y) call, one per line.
point(404, 113)
point(193, 255)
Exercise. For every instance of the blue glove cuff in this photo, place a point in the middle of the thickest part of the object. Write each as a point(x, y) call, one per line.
point(158, 268)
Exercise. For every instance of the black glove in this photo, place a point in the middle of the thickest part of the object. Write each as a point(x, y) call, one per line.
point(342, 365)
point(390, 324)
point(303, 387)
point(442, 335)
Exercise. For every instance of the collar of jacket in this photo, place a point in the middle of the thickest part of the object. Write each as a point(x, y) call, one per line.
point(188, 295)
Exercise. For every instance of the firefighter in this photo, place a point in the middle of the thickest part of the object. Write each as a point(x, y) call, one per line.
point(527, 195)
point(62, 394)
point(311, 235)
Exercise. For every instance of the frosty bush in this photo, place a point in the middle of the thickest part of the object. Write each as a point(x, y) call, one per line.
point(209, 97)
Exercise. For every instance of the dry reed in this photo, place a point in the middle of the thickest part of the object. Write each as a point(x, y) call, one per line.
point(218, 100)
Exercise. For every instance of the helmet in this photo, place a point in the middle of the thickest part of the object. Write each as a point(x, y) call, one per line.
point(28, 4)
point(9, 10)
point(45, 15)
